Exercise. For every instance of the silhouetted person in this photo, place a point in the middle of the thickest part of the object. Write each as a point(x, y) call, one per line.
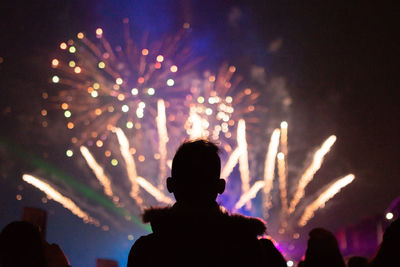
point(322, 250)
point(388, 254)
point(195, 231)
point(22, 245)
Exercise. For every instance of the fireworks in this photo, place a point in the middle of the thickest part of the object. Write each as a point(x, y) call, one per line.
point(282, 182)
point(57, 196)
point(311, 170)
point(324, 197)
point(305, 179)
point(98, 171)
point(269, 170)
point(217, 103)
point(162, 141)
point(139, 103)
point(101, 87)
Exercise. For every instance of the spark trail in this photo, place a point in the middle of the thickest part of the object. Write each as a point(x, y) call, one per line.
point(243, 159)
point(160, 197)
point(324, 197)
point(310, 171)
point(57, 196)
point(98, 171)
point(269, 170)
point(130, 164)
point(249, 195)
point(231, 163)
point(282, 183)
point(196, 130)
point(132, 174)
point(162, 141)
point(284, 130)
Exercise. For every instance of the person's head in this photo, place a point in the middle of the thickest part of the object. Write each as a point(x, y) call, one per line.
point(323, 249)
point(21, 244)
point(195, 175)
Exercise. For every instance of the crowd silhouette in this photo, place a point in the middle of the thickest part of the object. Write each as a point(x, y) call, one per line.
point(196, 231)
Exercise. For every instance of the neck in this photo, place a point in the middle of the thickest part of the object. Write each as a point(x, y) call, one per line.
point(196, 205)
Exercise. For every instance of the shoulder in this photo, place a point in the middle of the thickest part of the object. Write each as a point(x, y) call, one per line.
point(249, 225)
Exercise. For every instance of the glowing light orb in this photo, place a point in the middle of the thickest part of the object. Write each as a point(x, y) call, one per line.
point(72, 49)
point(67, 114)
point(125, 108)
point(170, 82)
point(389, 216)
point(134, 91)
point(69, 153)
point(63, 46)
point(55, 79)
point(151, 91)
point(99, 31)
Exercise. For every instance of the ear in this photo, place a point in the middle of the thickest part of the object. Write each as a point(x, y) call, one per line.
point(221, 186)
point(171, 184)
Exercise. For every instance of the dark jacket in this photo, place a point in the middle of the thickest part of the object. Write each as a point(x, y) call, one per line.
point(183, 237)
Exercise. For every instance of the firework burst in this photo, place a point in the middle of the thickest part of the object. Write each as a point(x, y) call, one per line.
point(141, 102)
point(101, 87)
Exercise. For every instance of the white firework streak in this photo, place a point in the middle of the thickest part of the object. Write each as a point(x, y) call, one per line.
point(324, 197)
point(130, 164)
point(57, 196)
point(243, 159)
point(282, 184)
point(162, 141)
point(308, 175)
point(98, 171)
point(152, 190)
point(250, 194)
point(131, 169)
point(269, 170)
point(197, 130)
point(284, 130)
point(231, 163)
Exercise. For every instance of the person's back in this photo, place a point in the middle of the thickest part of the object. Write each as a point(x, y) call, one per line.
point(195, 231)
point(388, 251)
point(21, 246)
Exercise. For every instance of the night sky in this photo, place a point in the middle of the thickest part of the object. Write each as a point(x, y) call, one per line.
point(339, 62)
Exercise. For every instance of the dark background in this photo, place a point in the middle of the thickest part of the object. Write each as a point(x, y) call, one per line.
point(339, 60)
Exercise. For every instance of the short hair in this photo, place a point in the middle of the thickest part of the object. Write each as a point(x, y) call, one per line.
point(197, 159)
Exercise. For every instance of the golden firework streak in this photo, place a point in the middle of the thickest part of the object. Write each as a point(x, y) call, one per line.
point(310, 171)
point(57, 196)
point(152, 190)
point(130, 164)
point(284, 130)
point(269, 169)
point(243, 159)
point(231, 163)
point(162, 142)
point(282, 184)
point(132, 174)
point(196, 130)
point(324, 197)
point(98, 171)
point(249, 195)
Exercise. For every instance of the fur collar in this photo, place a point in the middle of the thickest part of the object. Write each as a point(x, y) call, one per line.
point(177, 218)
